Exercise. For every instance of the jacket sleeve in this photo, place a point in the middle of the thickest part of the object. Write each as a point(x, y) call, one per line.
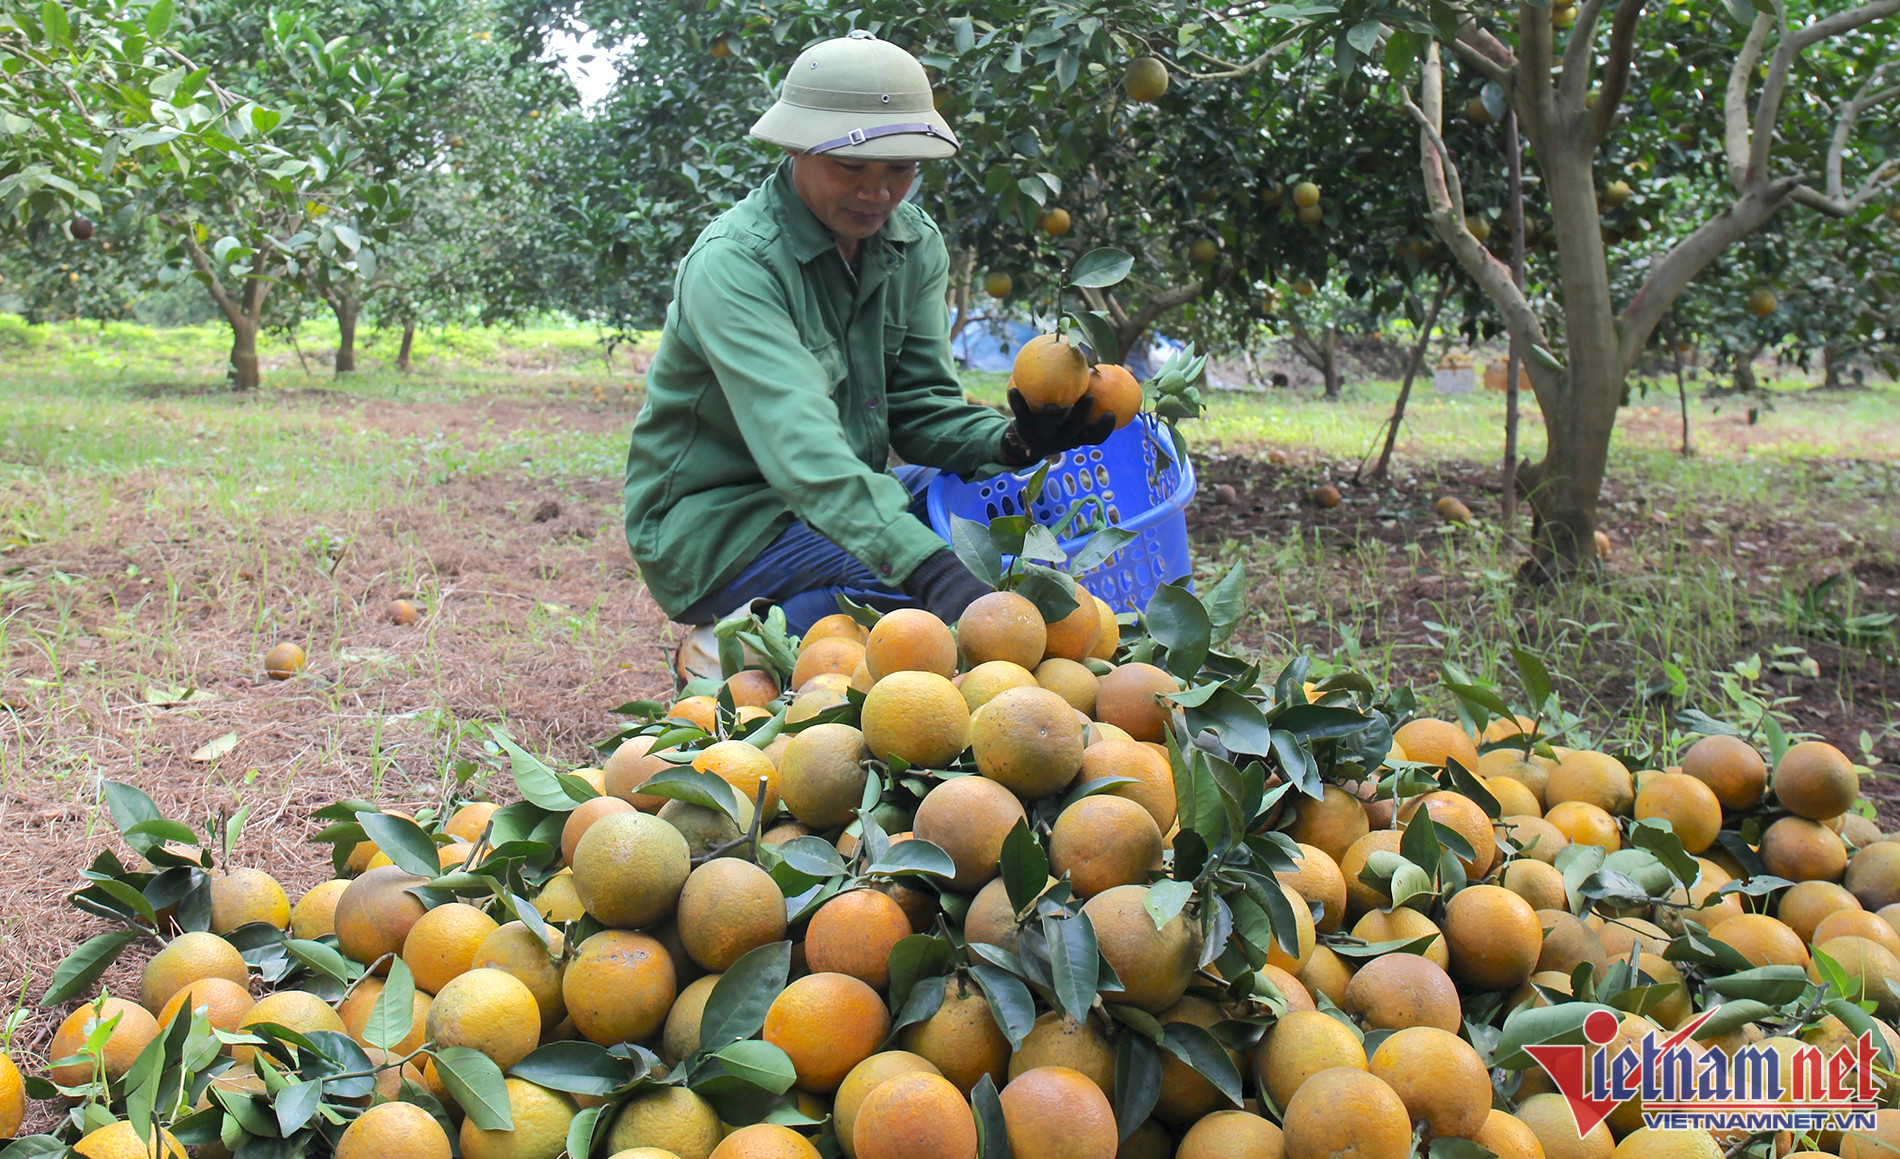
point(931, 424)
point(780, 397)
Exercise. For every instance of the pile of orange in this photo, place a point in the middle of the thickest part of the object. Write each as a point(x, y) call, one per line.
point(1370, 1030)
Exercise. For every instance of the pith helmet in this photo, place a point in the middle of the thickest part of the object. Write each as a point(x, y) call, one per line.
point(860, 98)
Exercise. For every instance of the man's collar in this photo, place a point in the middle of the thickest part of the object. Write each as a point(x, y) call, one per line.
point(808, 235)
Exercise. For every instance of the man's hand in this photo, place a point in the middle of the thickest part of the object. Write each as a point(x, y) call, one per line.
point(1051, 430)
point(944, 586)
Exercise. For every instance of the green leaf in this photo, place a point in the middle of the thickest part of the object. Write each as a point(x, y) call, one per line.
point(581, 1068)
point(1536, 677)
point(1010, 1001)
point(158, 19)
point(1226, 602)
point(1165, 899)
point(129, 805)
point(537, 782)
point(296, 1103)
point(476, 1083)
point(393, 1015)
point(53, 20)
point(81, 968)
point(914, 856)
point(1194, 1046)
point(992, 1133)
point(759, 1063)
point(914, 958)
point(972, 543)
point(1178, 622)
point(1051, 591)
point(1775, 985)
point(403, 841)
point(1025, 867)
point(1452, 1147)
point(1099, 333)
point(1662, 843)
point(1530, 1026)
point(1074, 962)
point(736, 1007)
point(695, 788)
point(1137, 1081)
point(1100, 268)
point(581, 1132)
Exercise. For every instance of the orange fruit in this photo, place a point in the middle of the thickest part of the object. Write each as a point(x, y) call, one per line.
point(390, 1129)
point(670, 1119)
point(1582, 823)
point(355, 1008)
point(296, 1010)
point(1815, 780)
point(1804, 904)
point(1103, 841)
point(1731, 768)
point(443, 941)
point(487, 1010)
point(541, 1118)
point(1541, 885)
point(1535, 837)
point(752, 687)
point(1803, 850)
point(629, 869)
point(1461, 815)
point(245, 895)
point(224, 1002)
point(1442, 1081)
point(1494, 937)
point(858, 1086)
point(1361, 897)
point(1154, 966)
point(1403, 925)
point(910, 640)
point(630, 766)
point(1056, 1112)
point(960, 1039)
point(1873, 875)
point(853, 933)
point(1330, 822)
point(1115, 392)
point(134, 1029)
point(1763, 940)
point(727, 909)
point(982, 683)
point(743, 766)
point(617, 987)
point(700, 711)
point(121, 1140)
point(826, 1024)
point(1434, 742)
point(917, 716)
point(1110, 636)
point(1550, 1119)
point(1302, 1044)
point(1186, 1095)
point(1689, 805)
point(914, 1115)
point(1028, 740)
point(1153, 779)
point(188, 958)
point(1318, 880)
point(1127, 700)
point(821, 779)
point(1001, 626)
point(1346, 1111)
point(833, 655)
point(1568, 942)
point(374, 913)
point(1507, 1137)
point(1231, 1135)
point(1058, 1040)
point(968, 818)
point(1395, 991)
point(512, 949)
point(1072, 681)
point(1073, 637)
point(1594, 778)
point(314, 915)
point(768, 1141)
point(1048, 370)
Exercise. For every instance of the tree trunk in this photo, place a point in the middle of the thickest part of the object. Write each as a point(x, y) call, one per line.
point(1831, 361)
point(242, 373)
point(1329, 362)
point(1744, 371)
point(408, 346)
point(346, 309)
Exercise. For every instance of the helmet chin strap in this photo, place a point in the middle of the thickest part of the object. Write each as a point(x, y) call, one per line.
point(860, 136)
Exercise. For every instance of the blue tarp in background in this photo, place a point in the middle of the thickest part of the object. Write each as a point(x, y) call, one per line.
point(992, 344)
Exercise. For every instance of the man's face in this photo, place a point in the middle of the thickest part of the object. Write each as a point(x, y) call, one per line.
point(852, 198)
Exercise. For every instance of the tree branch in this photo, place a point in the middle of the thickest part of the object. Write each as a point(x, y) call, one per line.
point(1229, 70)
point(1841, 22)
point(1768, 105)
point(1534, 36)
point(218, 294)
point(1616, 70)
point(1669, 276)
point(1580, 53)
point(1138, 323)
point(1735, 101)
point(1444, 192)
point(1487, 55)
point(1851, 110)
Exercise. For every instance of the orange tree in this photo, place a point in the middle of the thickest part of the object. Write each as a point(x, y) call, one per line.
point(1196, 182)
point(1786, 105)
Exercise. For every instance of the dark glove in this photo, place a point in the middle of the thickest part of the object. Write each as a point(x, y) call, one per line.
point(1037, 434)
point(944, 586)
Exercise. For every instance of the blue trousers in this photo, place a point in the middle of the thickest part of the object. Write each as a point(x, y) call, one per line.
point(803, 572)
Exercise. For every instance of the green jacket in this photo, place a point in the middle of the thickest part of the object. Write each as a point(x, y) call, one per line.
point(782, 384)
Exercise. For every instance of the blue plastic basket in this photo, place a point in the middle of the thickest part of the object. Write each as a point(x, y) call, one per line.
point(1139, 482)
